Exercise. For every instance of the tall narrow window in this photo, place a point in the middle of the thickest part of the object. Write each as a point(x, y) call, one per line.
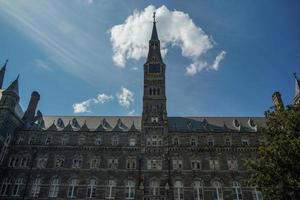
point(110, 189)
point(217, 192)
point(257, 195)
point(6, 187)
point(59, 161)
point(193, 141)
point(112, 163)
point(48, 140)
point(131, 163)
point(73, 188)
point(178, 190)
point(98, 141)
point(154, 188)
point(129, 189)
point(175, 141)
point(91, 189)
point(237, 192)
point(210, 141)
point(232, 164)
point(17, 186)
point(4, 148)
point(65, 140)
point(77, 162)
point(198, 190)
point(214, 164)
point(227, 141)
point(150, 91)
point(132, 142)
point(54, 187)
point(36, 187)
point(177, 164)
point(196, 164)
point(95, 163)
point(114, 140)
point(24, 161)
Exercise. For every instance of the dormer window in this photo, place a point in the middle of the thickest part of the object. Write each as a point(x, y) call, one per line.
point(236, 124)
point(228, 141)
point(60, 123)
point(132, 142)
point(252, 124)
point(75, 123)
point(210, 141)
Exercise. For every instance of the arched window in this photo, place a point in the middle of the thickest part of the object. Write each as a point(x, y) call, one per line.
point(77, 162)
point(59, 161)
point(64, 139)
point(81, 140)
point(4, 148)
point(158, 91)
point(16, 187)
point(54, 187)
point(154, 187)
point(24, 161)
point(36, 187)
point(150, 91)
point(111, 189)
point(178, 190)
point(198, 190)
point(237, 192)
point(73, 188)
point(6, 187)
point(217, 193)
point(154, 91)
point(257, 195)
point(42, 161)
point(91, 189)
point(129, 189)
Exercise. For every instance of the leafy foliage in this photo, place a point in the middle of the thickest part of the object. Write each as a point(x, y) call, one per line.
point(276, 172)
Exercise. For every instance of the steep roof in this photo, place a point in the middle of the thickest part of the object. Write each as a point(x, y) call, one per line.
point(14, 86)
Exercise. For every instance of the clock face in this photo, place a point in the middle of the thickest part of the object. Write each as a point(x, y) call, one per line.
point(154, 68)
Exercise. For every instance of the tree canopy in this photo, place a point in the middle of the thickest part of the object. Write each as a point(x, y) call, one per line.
point(276, 171)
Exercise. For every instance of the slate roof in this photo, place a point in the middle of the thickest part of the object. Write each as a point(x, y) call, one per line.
point(176, 124)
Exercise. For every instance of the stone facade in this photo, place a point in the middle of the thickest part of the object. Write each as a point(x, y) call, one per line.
point(150, 157)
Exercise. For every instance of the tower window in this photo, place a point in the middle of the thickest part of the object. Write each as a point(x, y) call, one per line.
point(150, 91)
point(154, 68)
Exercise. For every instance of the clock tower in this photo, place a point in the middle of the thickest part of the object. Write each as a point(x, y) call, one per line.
point(154, 119)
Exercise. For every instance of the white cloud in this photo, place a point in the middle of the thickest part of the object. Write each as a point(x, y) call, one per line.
point(84, 106)
point(218, 59)
point(175, 28)
point(102, 98)
point(42, 64)
point(130, 113)
point(125, 97)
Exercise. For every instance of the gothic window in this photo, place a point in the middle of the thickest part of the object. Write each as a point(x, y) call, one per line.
point(196, 164)
point(237, 192)
point(257, 195)
point(16, 187)
point(77, 162)
point(154, 119)
point(59, 161)
point(210, 141)
point(228, 141)
point(112, 163)
point(154, 187)
point(54, 187)
point(24, 161)
point(42, 162)
point(60, 123)
point(129, 189)
point(217, 192)
point(20, 140)
point(193, 141)
point(150, 91)
point(95, 163)
point(178, 190)
point(6, 187)
point(36, 187)
point(91, 188)
point(132, 141)
point(13, 161)
point(214, 164)
point(4, 148)
point(111, 189)
point(48, 140)
point(98, 141)
point(232, 164)
point(177, 164)
point(175, 141)
point(64, 139)
point(81, 140)
point(245, 141)
point(154, 91)
point(154, 164)
point(73, 188)
point(154, 140)
point(31, 140)
point(158, 91)
point(131, 163)
point(198, 190)
point(114, 140)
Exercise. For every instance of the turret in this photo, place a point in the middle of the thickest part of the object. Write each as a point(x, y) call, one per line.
point(31, 109)
point(10, 96)
point(297, 90)
point(2, 74)
point(277, 101)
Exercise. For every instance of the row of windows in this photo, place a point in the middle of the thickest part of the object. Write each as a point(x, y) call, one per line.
point(153, 140)
point(112, 163)
point(13, 188)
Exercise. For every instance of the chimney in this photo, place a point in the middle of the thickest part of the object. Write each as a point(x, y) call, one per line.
point(30, 112)
point(277, 101)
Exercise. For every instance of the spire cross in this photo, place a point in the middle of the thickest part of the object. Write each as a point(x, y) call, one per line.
point(154, 13)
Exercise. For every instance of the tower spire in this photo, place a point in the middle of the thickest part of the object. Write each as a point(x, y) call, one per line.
point(154, 35)
point(297, 90)
point(2, 73)
point(14, 86)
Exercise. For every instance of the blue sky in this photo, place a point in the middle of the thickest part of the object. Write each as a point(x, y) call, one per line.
point(65, 50)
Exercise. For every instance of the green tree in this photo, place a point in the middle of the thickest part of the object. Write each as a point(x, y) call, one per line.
point(276, 172)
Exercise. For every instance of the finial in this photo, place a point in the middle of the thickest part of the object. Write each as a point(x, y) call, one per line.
point(154, 13)
point(295, 75)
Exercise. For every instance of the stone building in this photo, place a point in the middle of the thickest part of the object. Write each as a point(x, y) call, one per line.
point(150, 157)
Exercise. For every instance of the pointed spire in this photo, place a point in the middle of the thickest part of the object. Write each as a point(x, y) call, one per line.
point(2, 73)
point(14, 86)
point(84, 127)
point(154, 35)
point(297, 89)
point(133, 128)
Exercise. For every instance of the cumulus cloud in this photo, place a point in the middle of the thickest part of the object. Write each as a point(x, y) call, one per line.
point(176, 28)
point(218, 59)
point(84, 106)
point(130, 113)
point(125, 97)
